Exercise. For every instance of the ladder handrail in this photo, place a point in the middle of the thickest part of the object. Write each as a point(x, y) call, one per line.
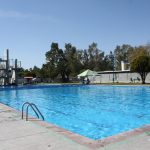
point(34, 108)
point(37, 110)
point(26, 103)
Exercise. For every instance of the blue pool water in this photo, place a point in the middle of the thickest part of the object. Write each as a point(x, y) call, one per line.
point(92, 111)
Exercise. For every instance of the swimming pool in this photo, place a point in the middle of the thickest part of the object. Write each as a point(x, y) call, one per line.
point(92, 111)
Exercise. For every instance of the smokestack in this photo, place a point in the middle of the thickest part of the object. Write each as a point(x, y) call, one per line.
point(122, 66)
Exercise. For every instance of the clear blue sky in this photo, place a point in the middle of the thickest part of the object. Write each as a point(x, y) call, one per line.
point(27, 27)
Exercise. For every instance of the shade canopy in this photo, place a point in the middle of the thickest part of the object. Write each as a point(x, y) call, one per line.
point(87, 73)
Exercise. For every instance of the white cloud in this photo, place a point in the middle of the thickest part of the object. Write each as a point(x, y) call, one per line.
point(28, 16)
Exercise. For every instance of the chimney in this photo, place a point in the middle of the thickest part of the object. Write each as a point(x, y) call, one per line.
point(122, 66)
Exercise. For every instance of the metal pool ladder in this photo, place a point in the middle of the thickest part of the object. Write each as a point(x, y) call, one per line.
point(34, 108)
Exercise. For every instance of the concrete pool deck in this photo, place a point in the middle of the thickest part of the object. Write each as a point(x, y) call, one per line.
point(18, 134)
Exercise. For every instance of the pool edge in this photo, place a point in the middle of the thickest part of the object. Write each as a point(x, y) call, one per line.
point(83, 140)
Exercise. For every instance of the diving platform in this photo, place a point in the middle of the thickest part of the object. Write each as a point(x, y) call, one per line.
point(8, 70)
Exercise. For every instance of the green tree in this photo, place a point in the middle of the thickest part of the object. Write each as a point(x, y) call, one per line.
point(71, 55)
point(20, 72)
point(47, 71)
point(36, 71)
point(84, 59)
point(136, 52)
point(122, 53)
point(28, 73)
point(56, 62)
point(95, 57)
point(108, 63)
point(141, 64)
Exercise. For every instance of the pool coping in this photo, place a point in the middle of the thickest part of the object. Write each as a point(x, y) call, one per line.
point(89, 142)
point(94, 144)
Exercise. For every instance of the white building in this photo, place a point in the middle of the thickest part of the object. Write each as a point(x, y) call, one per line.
point(122, 76)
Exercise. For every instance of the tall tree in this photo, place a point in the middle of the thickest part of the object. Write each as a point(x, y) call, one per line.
point(141, 64)
point(73, 63)
point(108, 63)
point(48, 71)
point(136, 52)
point(122, 53)
point(85, 59)
point(95, 57)
point(57, 62)
point(36, 71)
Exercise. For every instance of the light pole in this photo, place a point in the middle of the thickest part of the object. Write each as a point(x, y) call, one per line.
point(113, 64)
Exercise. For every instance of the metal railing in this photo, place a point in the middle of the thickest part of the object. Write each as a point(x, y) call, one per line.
point(34, 108)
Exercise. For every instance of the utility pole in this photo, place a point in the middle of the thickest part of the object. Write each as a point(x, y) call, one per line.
point(113, 70)
point(113, 65)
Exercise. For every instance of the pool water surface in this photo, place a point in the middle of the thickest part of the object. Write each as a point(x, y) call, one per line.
point(92, 111)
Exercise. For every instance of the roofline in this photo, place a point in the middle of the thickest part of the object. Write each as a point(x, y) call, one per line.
point(107, 72)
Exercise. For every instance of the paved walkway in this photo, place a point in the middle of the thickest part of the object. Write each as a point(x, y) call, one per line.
point(17, 134)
